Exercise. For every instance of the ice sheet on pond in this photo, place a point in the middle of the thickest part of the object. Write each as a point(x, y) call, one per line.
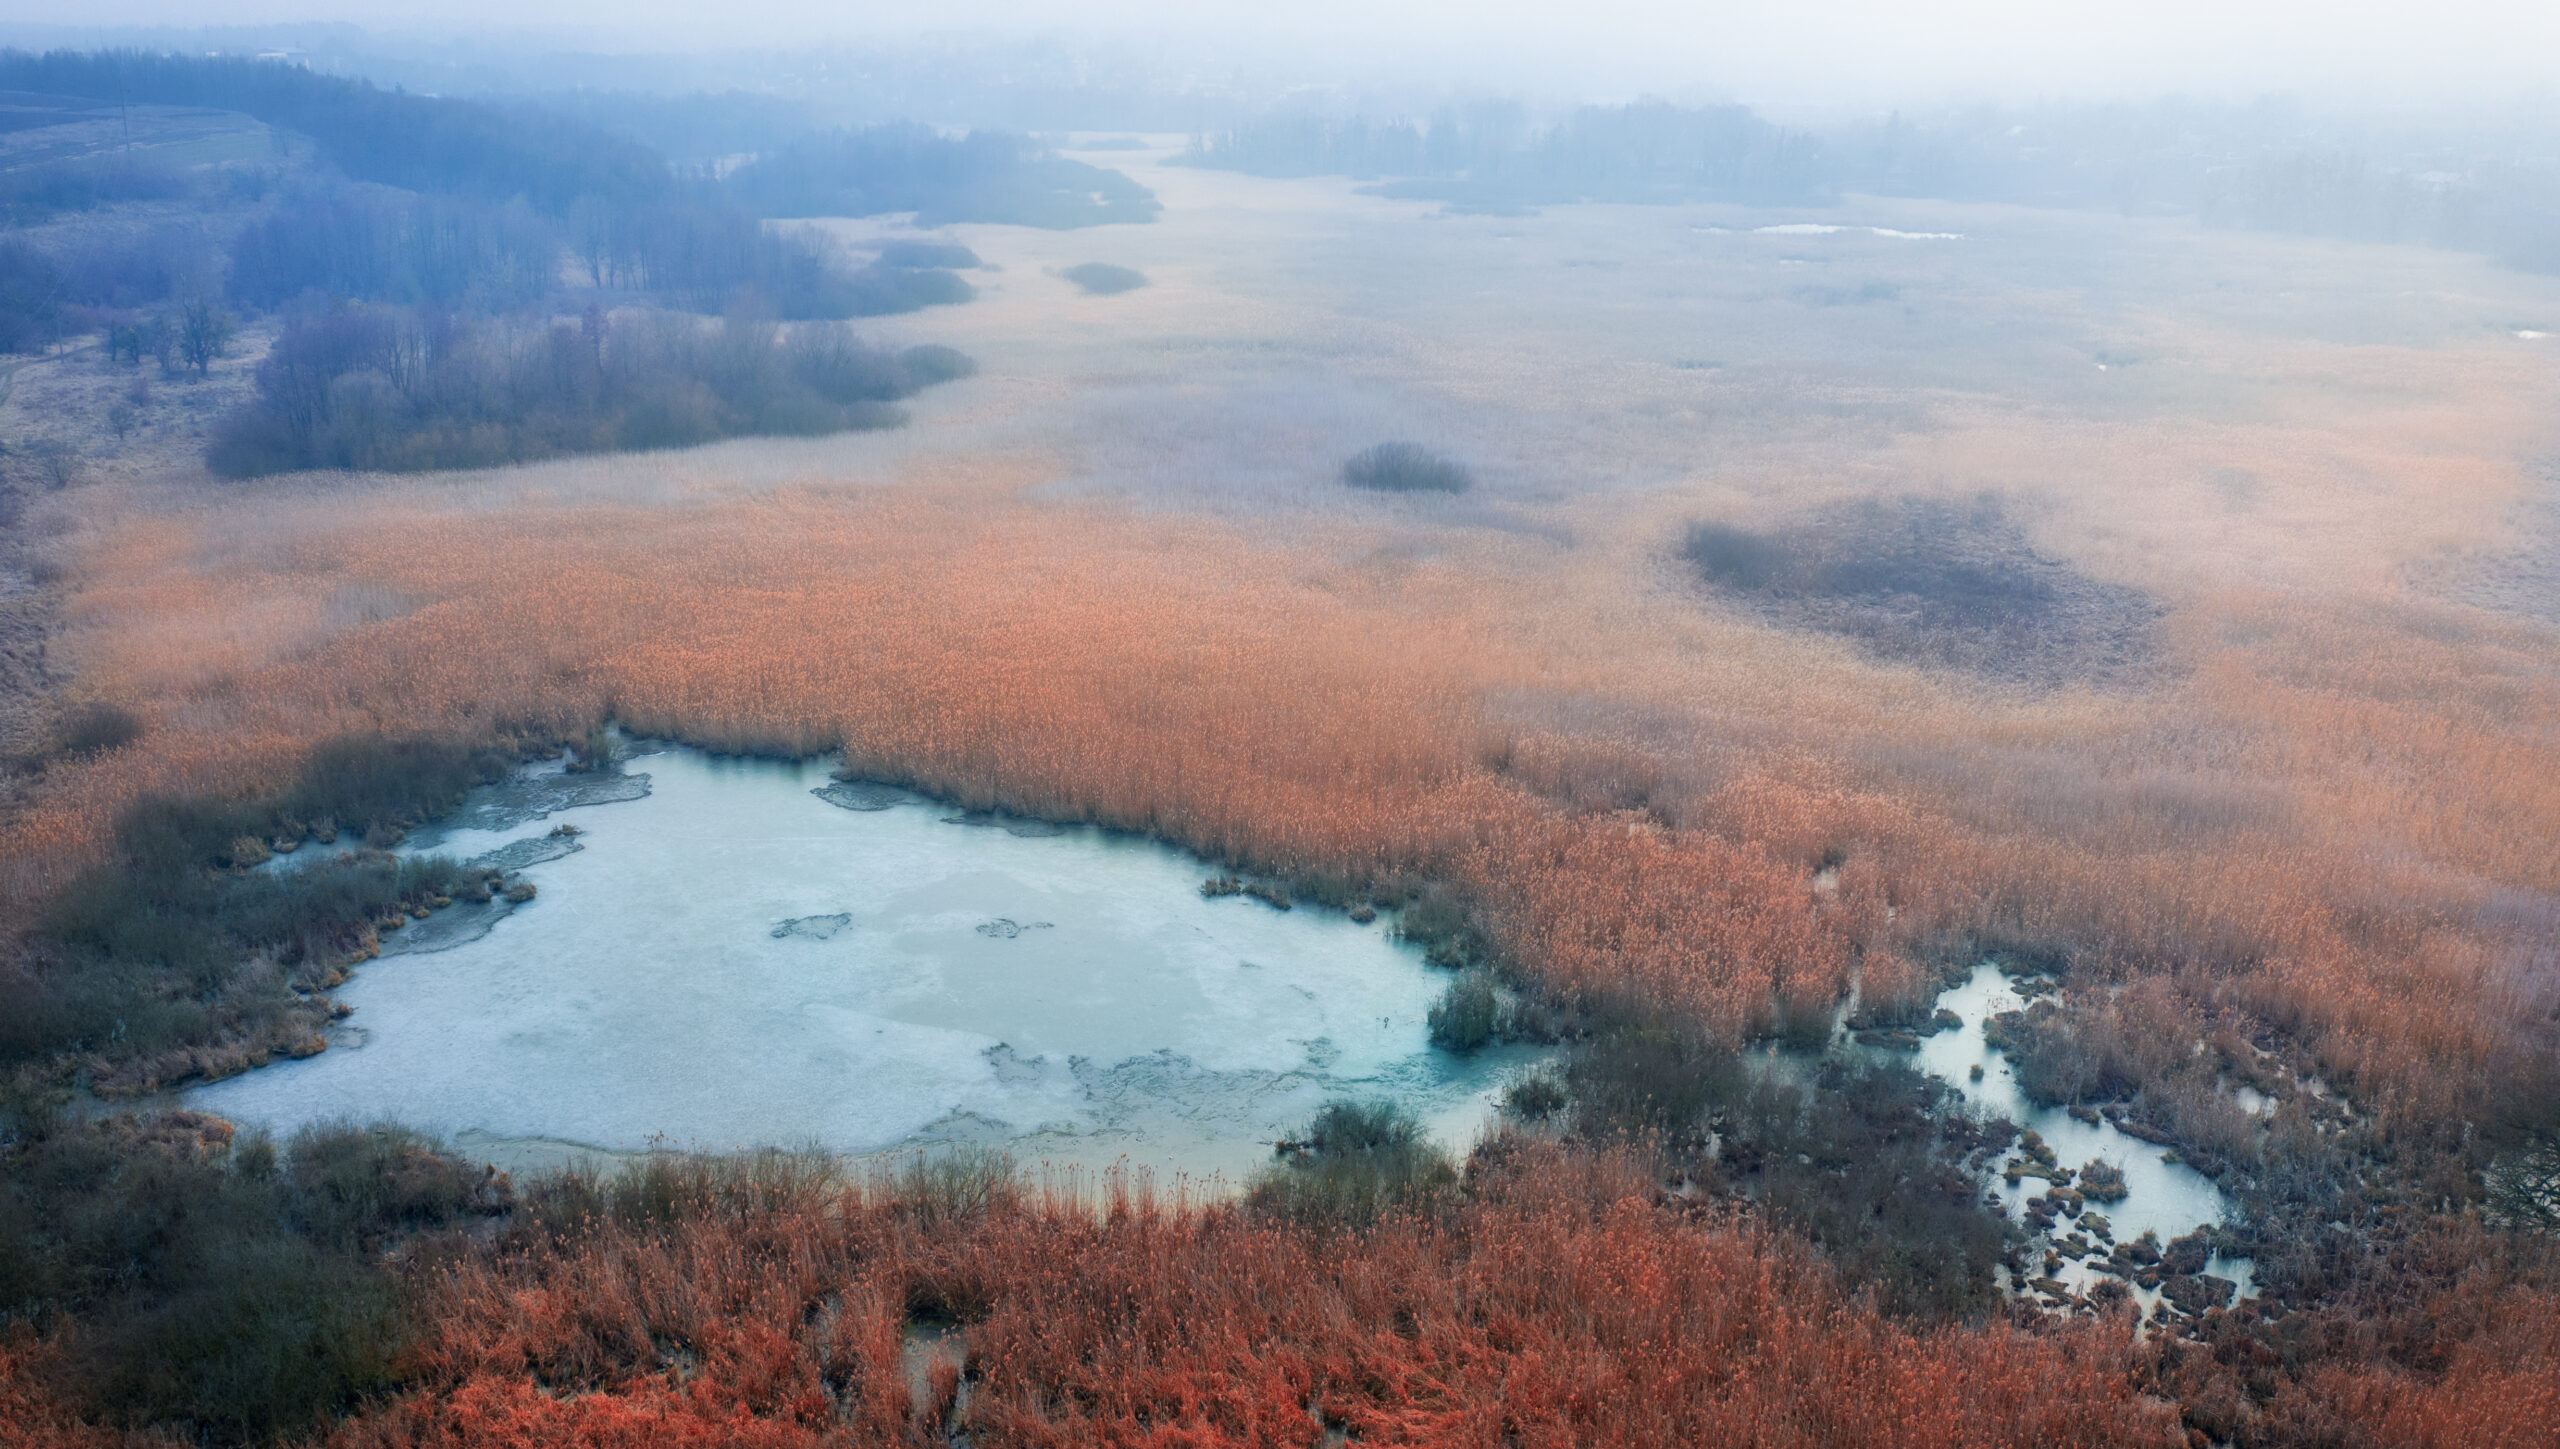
point(732, 958)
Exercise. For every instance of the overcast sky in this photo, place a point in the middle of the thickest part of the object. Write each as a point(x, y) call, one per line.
point(1771, 52)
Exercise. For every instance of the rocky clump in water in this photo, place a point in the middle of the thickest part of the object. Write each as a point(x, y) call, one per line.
point(532, 796)
point(862, 795)
point(1268, 892)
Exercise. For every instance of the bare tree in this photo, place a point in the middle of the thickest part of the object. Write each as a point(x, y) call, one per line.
point(204, 334)
point(58, 465)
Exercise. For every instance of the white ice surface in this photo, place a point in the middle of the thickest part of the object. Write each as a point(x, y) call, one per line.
point(644, 998)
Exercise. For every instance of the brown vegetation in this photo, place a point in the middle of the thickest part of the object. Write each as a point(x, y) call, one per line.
point(2315, 848)
point(1559, 1302)
point(1171, 677)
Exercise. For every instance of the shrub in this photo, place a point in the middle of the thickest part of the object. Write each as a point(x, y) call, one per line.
point(56, 463)
point(1440, 923)
point(1405, 468)
point(217, 1283)
point(2102, 1181)
point(1929, 580)
point(1649, 1081)
point(1354, 1162)
point(168, 947)
point(1469, 1013)
point(1537, 1096)
point(1101, 279)
point(260, 1339)
point(96, 727)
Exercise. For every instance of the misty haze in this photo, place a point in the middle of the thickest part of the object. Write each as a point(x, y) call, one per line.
point(1130, 724)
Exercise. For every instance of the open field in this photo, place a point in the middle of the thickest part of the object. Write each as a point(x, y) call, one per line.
point(2304, 833)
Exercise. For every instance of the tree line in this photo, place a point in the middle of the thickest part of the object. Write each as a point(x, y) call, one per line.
point(394, 389)
point(2264, 166)
point(479, 208)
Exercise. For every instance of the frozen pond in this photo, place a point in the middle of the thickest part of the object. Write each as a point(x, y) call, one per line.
point(2162, 1197)
point(730, 960)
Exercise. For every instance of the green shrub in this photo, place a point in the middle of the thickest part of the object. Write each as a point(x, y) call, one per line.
point(1438, 922)
point(1648, 1081)
point(1877, 1164)
point(264, 1338)
point(169, 945)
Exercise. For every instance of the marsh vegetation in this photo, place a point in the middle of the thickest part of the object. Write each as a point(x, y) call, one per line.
point(1897, 584)
point(1949, 584)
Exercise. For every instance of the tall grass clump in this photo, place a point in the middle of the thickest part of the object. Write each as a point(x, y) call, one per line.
point(1470, 1012)
point(1354, 1162)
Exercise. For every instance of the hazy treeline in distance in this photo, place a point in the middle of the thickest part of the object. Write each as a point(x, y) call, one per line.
point(2267, 167)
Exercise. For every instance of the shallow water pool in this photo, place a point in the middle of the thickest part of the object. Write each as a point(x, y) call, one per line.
point(748, 955)
point(2166, 1198)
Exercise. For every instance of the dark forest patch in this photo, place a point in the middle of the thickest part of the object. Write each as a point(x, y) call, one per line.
point(1926, 581)
point(1406, 468)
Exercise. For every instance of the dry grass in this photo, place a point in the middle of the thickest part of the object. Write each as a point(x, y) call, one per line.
point(2307, 824)
point(1557, 1305)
